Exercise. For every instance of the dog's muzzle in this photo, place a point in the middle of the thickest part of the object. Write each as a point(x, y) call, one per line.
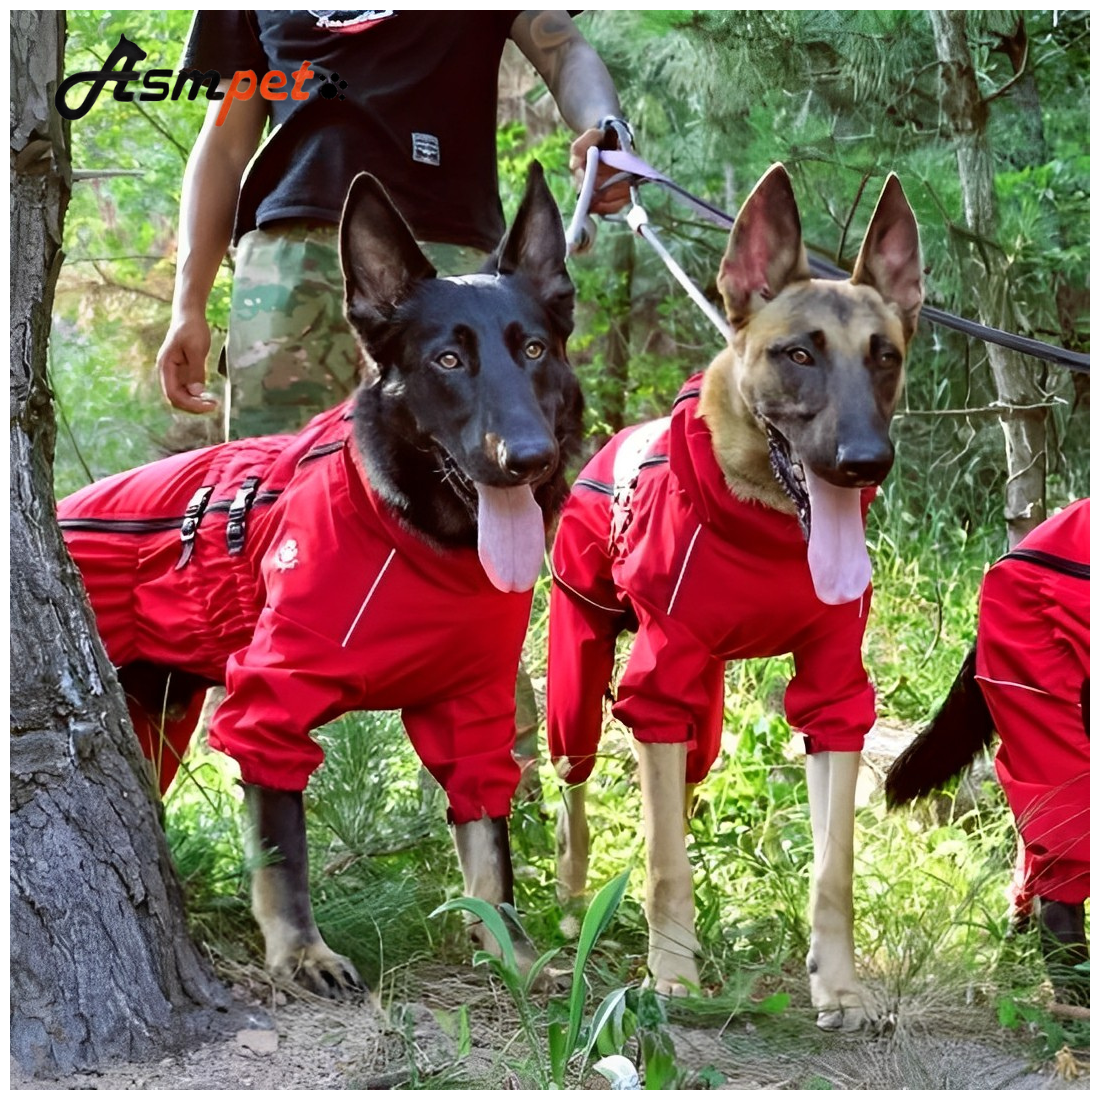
point(831, 517)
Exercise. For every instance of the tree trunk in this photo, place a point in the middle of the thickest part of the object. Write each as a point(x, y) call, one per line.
point(102, 966)
point(1024, 420)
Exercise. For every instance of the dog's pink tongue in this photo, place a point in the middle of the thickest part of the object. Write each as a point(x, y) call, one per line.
point(839, 564)
point(511, 538)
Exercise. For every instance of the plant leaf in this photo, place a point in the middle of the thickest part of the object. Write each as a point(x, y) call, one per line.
point(493, 921)
point(611, 1009)
point(595, 921)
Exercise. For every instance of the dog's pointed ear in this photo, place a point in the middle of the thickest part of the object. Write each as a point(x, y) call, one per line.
point(889, 259)
point(535, 247)
point(765, 250)
point(381, 260)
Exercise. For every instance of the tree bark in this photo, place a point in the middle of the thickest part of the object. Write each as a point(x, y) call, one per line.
point(102, 966)
point(1024, 420)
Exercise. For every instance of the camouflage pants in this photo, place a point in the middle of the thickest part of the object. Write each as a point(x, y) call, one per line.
point(290, 353)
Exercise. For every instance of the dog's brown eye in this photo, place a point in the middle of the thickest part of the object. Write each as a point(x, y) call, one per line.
point(800, 356)
point(534, 349)
point(448, 360)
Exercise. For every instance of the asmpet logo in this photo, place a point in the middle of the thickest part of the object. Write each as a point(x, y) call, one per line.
point(156, 84)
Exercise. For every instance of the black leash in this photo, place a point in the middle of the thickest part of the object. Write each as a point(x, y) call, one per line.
point(630, 165)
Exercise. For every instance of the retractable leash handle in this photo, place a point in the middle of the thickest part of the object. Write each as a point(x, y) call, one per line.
point(581, 234)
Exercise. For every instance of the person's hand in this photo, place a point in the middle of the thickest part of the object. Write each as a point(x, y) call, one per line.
point(612, 199)
point(181, 363)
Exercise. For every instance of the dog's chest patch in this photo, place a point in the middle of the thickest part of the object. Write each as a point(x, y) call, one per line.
point(286, 557)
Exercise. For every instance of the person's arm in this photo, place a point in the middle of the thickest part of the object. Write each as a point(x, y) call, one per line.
point(208, 203)
point(580, 84)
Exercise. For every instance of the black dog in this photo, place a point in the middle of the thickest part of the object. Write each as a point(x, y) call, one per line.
point(349, 566)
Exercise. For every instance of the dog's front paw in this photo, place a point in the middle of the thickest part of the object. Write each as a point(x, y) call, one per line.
point(846, 1018)
point(548, 979)
point(845, 1008)
point(551, 980)
point(841, 1001)
point(320, 970)
point(672, 974)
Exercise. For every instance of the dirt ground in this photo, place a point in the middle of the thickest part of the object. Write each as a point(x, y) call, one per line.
point(327, 1046)
point(405, 1038)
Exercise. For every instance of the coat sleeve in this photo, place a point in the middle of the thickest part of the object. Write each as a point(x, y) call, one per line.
point(667, 689)
point(286, 683)
point(830, 700)
point(466, 743)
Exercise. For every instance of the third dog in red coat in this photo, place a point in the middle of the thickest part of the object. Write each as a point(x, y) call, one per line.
point(1028, 679)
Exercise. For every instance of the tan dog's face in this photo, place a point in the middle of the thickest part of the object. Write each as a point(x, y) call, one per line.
point(823, 365)
point(820, 364)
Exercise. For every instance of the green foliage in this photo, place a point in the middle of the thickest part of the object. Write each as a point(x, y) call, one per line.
point(563, 1037)
point(113, 301)
point(1047, 1034)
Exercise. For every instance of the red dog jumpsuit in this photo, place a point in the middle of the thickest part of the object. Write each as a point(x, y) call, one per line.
point(270, 565)
point(667, 549)
point(1032, 662)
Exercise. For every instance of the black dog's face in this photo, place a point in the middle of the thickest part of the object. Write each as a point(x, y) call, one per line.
point(480, 367)
point(471, 409)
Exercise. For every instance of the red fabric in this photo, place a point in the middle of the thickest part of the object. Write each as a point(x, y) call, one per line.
point(333, 606)
point(1033, 656)
point(704, 577)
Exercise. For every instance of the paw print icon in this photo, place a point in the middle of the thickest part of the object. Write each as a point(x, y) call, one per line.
point(332, 87)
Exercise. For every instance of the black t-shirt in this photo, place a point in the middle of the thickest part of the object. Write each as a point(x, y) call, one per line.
point(415, 104)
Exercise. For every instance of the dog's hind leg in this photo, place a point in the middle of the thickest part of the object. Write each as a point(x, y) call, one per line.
point(841, 1002)
point(670, 899)
point(293, 945)
point(572, 842)
point(165, 707)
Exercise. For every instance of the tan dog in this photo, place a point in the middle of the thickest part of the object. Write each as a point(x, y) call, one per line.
point(734, 529)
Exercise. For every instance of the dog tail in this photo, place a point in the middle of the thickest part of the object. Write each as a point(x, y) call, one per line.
point(960, 730)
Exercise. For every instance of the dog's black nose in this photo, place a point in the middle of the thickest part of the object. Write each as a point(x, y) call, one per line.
point(865, 463)
point(526, 458)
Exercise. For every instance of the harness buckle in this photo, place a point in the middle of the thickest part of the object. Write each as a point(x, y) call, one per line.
point(192, 517)
point(235, 527)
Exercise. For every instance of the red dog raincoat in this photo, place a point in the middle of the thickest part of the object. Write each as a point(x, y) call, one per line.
point(1033, 658)
point(271, 565)
point(653, 539)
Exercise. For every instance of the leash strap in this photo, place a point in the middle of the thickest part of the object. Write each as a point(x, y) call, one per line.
point(629, 164)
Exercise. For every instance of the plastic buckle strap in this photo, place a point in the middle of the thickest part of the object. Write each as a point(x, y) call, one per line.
point(192, 517)
point(618, 128)
point(235, 528)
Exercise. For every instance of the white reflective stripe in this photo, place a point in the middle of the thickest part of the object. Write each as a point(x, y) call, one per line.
point(580, 595)
point(377, 580)
point(683, 568)
point(635, 450)
point(1013, 684)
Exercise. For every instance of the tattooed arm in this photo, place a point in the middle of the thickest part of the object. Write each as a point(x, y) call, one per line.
point(579, 82)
